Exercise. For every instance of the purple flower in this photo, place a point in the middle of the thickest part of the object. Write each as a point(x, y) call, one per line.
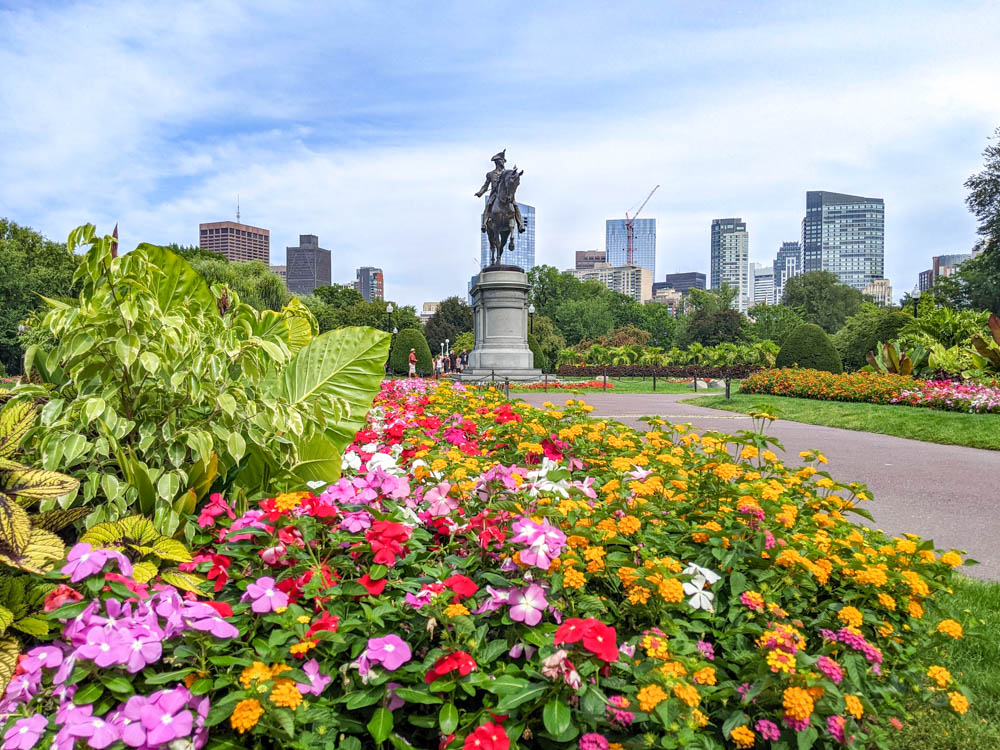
point(594, 741)
point(48, 657)
point(99, 733)
point(23, 687)
point(545, 541)
point(266, 598)
point(128, 720)
point(527, 605)
point(394, 700)
point(356, 521)
point(317, 680)
point(25, 733)
point(440, 503)
point(390, 651)
point(83, 560)
point(768, 730)
point(498, 598)
point(143, 648)
point(104, 646)
point(200, 616)
point(167, 718)
point(419, 599)
point(707, 650)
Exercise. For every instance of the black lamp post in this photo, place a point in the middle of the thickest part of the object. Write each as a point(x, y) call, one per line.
point(388, 311)
point(531, 318)
point(915, 295)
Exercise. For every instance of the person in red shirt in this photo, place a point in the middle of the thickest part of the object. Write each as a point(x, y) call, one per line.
point(413, 364)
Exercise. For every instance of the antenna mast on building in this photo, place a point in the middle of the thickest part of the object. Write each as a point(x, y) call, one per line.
point(629, 224)
point(237, 208)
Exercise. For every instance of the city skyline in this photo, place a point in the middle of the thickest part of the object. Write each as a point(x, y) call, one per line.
point(373, 132)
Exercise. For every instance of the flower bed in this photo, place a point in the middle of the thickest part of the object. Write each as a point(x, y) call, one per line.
point(487, 575)
point(555, 385)
point(875, 388)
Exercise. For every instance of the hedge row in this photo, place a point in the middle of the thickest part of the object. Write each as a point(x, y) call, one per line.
point(669, 371)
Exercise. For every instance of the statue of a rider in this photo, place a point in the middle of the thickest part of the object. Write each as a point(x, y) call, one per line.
point(492, 179)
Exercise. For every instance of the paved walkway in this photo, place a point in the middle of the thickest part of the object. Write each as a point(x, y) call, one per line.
point(941, 492)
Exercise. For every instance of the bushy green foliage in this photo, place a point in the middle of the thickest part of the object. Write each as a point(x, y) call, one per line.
point(866, 328)
point(809, 347)
point(368, 314)
point(410, 338)
point(771, 323)
point(465, 341)
point(452, 318)
point(159, 389)
point(31, 267)
point(252, 281)
point(712, 327)
point(339, 295)
point(580, 319)
point(819, 297)
point(540, 360)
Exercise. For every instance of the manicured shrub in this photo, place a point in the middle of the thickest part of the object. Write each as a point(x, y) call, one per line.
point(808, 346)
point(541, 361)
point(410, 338)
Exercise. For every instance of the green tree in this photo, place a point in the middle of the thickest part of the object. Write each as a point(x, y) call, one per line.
point(819, 297)
point(339, 295)
point(253, 281)
point(466, 341)
point(193, 252)
point(406, 339)
point(453, 317)
point(550, 340)
point(864, 330)
point(32, 267)
point(580, 319)
point(711, 327)
point(711, 300)
point(809, 347)
point(373, 315)
point(659, 322)
point(771, 323)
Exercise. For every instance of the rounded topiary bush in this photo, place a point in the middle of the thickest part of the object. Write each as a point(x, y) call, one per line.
point(410, 338)
point(808, 346)
point(541, 361)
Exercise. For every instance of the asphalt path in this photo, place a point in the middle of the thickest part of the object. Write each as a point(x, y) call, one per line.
point(942, 492)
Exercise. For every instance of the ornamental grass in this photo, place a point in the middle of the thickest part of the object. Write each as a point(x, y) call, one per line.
point(489, 575)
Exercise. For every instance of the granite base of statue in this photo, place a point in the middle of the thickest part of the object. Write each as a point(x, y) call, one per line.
point(500, 324)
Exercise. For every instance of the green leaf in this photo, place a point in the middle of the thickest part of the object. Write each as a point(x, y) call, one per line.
point(15, 420)
point(88, 693)
point(412, 695)
point(506, 684)
point(26, 485)
point(127, 348)
point(448, 718)
point(15, 526)
point(805, 739)
point(380, 725)
point(346, 364)
point(363, 698)
point(556, 716)
point(118, 685)
point(513, 700)
point(10, 650)
point(35, 626)
point(286, 721)
point(318, 459)
point(177, 286)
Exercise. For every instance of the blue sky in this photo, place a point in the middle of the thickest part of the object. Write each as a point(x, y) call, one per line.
point(371, 124)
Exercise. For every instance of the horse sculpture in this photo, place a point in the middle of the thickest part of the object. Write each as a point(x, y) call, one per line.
point(500, 224)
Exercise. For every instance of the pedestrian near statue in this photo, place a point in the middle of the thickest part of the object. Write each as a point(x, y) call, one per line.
point(413, 364)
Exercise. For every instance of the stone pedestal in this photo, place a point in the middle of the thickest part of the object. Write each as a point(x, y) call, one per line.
point(500, 323)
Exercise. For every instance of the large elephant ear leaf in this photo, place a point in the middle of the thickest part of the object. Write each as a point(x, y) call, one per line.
point(16, 419)
point(176, 285)
point(27, 485)
point(346, 365)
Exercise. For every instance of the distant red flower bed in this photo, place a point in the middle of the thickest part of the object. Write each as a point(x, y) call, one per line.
point(562, 386)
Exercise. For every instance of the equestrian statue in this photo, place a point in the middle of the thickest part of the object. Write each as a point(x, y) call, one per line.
point(501, 213)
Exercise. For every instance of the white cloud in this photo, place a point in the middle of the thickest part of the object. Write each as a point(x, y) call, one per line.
point(373, 132)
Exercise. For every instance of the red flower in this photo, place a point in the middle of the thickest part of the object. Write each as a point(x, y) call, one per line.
point(449, 663)
point(374, 587)
point(60, 595)
point(487, 737)
point(386, 539)
point(326, 621)
point(571, 630)
point(602, 641)
point(462, 586)
point(222, 608)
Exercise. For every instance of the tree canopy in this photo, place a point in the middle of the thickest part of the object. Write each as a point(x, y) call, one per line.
point(253, 281)
point(819, 297)
point(452, 318)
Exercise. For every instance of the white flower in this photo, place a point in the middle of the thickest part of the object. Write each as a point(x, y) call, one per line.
point(710, 576)
point(701, 599)
point(385, 462)
point(350, 460)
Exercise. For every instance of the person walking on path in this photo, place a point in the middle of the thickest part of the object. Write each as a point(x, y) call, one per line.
point(413, 364)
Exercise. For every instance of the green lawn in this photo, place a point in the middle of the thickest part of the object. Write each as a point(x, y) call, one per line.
point(975, 662)
point(950, 428)
point(639, 385)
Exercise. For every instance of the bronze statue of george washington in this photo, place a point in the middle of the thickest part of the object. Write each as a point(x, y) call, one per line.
point(491, 184)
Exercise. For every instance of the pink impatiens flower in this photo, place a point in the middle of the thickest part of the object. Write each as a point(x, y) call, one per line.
point(25, 733)
point(167, 718)
point(265, 595)
point(390, 651)
point(83, 561)
point(528, 605)
point(440, 503)
point(545, 542)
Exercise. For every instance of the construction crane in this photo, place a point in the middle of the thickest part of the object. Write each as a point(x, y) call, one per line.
point(630, 224)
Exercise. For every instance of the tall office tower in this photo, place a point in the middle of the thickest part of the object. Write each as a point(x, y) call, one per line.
point(235, 241)
point(587, 258)
point(787, 264)
point(925, 280)
point(524, 244)
point(307, 266)
point(643, 243)
point(844, 234)
point(730, 262)
point(762, 283)
point(684, 282)
point(370, 283)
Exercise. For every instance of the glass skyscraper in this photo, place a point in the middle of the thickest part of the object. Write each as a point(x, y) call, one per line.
point(844, 234)
point(524, 244)
point(643, 243)
point(787, 264)
point(730, 260)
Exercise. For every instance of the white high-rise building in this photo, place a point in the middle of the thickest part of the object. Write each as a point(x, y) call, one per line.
point(762, 284)
point(731, 265)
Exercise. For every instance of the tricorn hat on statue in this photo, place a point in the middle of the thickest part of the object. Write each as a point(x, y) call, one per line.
point(501, 157)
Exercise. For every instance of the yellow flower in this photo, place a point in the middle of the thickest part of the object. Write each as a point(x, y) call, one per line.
point(301, 648)
point(456, 610)
point(302, 619)
point(289, 500)
point(699, 718)
point(781, 661)
point(257, 672)
point(959, 703)
point(246, 715)
point(851, 616)
point(687, 693)
point(573, 579)
point(940, 675)
point(749, 452)
point(286, 695)
point(951, 558)
point(629, 525)
point(950, 628)
point(798, 703)
point(853, 706)
point(671, 590)
point(743, 737)
point(887, 601)
point(650, 696)
point(704, 676)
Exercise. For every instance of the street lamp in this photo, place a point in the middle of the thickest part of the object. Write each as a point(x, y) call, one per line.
point(447, 346)
point(388, 311)
point(531, 317)
point(915, 294)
